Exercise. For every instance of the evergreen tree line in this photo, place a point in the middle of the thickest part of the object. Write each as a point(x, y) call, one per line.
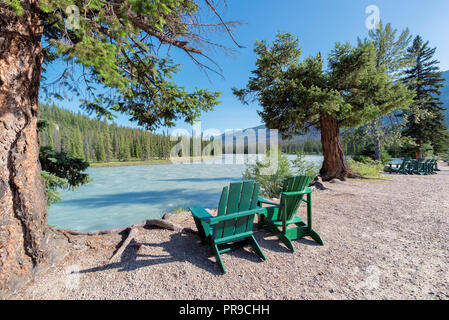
point(99, 141)
point(303, 147)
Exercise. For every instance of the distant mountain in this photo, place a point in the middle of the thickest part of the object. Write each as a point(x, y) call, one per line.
point(445, 96)
point(313, 135)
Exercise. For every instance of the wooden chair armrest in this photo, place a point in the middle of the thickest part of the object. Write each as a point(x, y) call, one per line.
point(295, 193)
point(262, 200)
point(230, 216)
point(200, 213)
point(203, 215)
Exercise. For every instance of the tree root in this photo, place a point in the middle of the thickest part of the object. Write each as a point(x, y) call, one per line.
point(131, 235)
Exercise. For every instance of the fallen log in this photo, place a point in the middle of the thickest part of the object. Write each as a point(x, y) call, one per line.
point(160, 223)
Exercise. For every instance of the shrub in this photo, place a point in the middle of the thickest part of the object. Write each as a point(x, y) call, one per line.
point(367, 167)
point(304, 167)
point(270, 185)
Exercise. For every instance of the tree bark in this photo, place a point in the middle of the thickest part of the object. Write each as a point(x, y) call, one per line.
point(334, 163)
point(24, 233)
point(376, 140)
point(419, 150)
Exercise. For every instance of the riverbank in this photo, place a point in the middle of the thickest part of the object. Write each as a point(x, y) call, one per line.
point(148, 162)
point(162, 161)
point(384, 239)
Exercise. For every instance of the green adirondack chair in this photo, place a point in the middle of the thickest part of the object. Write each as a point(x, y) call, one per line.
point(279, 217)
point(428, 166)
point(432, 166)
point(435, 166)
point(403, 167)
point(417, 167)
point(232, 228)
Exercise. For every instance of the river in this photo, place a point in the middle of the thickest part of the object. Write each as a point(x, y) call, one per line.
point(122, 196)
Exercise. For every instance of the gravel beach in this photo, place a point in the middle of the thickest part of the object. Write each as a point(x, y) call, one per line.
point(384, 239)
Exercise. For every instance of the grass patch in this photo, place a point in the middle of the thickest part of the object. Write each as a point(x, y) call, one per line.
point(368, 168)
point(147, 162)
point(179, 210)
point(128, 163)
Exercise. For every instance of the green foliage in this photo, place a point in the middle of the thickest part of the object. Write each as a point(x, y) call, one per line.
point(76, 145)
point(98, 141)
point(308, 146)
point(391, 50)
point(179, 210)
point(368, 152)
point(270, 185)
point(15, 6)
point(425, 121)
point(303, 167)
point(118, 47)
point(52, 184)
point(367, 167)
point(64, 166)
point(295, 95)
point(60, 171)
point(100, 154)
point(390, 56)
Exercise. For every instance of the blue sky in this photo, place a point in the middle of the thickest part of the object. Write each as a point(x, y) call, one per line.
point(318, 24)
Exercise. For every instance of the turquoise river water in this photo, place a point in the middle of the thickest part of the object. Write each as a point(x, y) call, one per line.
point(122, 196)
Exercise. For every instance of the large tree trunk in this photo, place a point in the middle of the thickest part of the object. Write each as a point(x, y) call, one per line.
point(419, 150)
point(334, 163)
point(25, 237)
point(376, 140)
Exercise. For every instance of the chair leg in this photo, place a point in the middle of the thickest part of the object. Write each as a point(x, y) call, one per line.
point(315, 236)
point(201, 231)
point(218, 258)
point(256, 248)
point(305, 231)
point(286, 241)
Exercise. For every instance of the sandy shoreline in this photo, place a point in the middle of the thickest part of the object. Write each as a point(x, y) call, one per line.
point(383, 239)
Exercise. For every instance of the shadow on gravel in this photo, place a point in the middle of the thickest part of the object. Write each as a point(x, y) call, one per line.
point(181, 247)
point(269, 242)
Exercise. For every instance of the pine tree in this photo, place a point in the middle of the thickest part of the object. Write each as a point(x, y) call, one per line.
point(296, 95)
point(391, 55)
point(425, 121)
point(100, 154)
point(76, 145)
point(107, 142)
point(87, 149)
point(124, 151)
point(115, 144)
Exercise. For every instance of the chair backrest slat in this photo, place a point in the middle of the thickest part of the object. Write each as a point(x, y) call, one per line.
point(235, 189)
point(221, 210)
point(255, 197)
point(246, 196)
point(289, 205)
point(240, 196)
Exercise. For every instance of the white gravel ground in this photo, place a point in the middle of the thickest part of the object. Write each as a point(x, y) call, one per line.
point(384, 239)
